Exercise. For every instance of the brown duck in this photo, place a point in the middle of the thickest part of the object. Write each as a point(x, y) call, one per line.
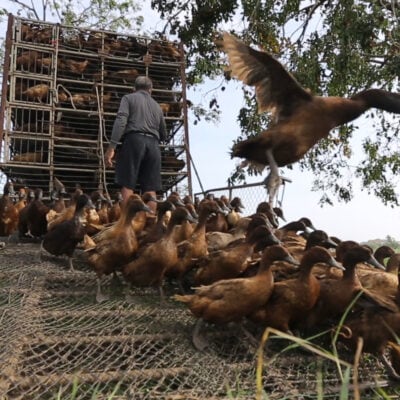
point(230, 262)
point(117, 245)
point(301, 119)
point(230, 300)
point(150, 267)
point(292, 299)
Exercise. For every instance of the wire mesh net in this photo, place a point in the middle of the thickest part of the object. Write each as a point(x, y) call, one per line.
point(56, 340)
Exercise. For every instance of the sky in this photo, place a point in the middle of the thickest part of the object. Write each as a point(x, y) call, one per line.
point(364, 218)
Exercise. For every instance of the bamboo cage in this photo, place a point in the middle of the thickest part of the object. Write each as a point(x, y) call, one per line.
point(62, 87)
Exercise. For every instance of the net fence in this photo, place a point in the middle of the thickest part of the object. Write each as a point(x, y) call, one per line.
point(251, 194)
point(56, 342)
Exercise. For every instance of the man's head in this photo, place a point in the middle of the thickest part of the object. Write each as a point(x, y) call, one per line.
point(143, 83)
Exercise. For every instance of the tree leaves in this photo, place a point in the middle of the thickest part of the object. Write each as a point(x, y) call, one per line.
point(111, 15)
point(333, 47)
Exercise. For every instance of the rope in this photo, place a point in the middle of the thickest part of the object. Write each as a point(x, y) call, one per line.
point(101, 132)
point(195, 171)
point(66, 90)
point(280, 202)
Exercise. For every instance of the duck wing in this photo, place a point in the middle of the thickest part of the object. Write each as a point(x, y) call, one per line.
point(227, 288)
point(276, 89)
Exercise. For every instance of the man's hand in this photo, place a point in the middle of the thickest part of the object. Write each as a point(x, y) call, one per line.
point(109, 157)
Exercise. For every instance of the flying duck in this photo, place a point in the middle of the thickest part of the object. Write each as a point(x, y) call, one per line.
point(300, 119)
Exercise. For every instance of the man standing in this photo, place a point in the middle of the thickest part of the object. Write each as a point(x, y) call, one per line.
point(140, 124)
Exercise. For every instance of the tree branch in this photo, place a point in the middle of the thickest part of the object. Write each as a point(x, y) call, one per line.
point(390, 5)
point(82, 14)
point(26, 7)
point(56, 9)
point(309, 10)
point(169, 19)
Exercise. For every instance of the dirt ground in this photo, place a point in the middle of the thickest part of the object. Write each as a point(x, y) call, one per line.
point(57, 342)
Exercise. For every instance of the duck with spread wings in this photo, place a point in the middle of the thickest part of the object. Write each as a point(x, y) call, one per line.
point(300, 119)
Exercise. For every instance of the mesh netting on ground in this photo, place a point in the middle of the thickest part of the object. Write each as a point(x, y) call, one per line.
point(56, 340)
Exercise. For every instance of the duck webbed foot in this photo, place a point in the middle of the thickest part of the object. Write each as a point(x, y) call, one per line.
point(273, 180)
point(272, 183)
point(71, 265)
point(100, 296)
point(198, 340)
point(39, 254)
point(392, 373)
point(252, 340)
point(115, 280)
point(129, 297)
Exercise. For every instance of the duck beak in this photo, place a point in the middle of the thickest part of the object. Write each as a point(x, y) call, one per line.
point(375, 263)
point(219, 210)
point(329, 243)
point(55, 196)
point(309, 229)
point(190, 218)
point(152, 198)
point(147, 209)
point(225, 210)
point(90, 204)
point(178, 202)
point(333, 263)
point(274, 221)
point(271, 237)
point(194, 215)
point(102, 198)
point(290, 259)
